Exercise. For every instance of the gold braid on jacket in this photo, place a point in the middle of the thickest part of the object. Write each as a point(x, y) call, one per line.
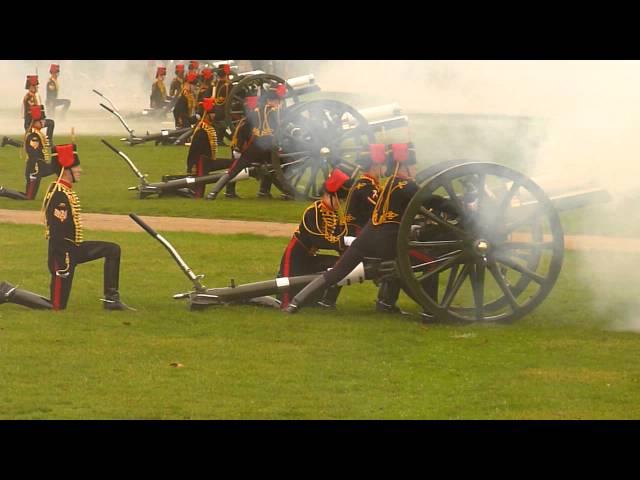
point(191, 101)
point(44, 141)
point(76, 209)
point(330, 220)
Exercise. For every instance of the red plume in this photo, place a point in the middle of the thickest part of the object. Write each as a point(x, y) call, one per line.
point(400, 152)
point(378, 153)
point(251, 102)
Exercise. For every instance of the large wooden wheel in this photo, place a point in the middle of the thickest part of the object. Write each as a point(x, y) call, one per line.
point(311, 139)
point(479, 242)
point(247, 86)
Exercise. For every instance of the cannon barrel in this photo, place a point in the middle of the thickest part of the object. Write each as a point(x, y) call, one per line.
point(247, 291)
point(191, 181)
point(567, 194)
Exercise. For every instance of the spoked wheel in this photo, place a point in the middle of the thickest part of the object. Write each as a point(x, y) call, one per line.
point(251, 85)
point(312, 138)
point(479, 242)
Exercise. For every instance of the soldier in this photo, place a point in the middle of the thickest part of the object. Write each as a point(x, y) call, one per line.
point(365, 191)
point(67, 249)
point(222, 89)
point(203, 149)
point(184, 110)
point(320, 228)
point(53, 88)
point(379, 236)
point(176, 84)
point(30, 99)
point(262, 121)
point(205, 90)
point(38, 150)
point(158, 97)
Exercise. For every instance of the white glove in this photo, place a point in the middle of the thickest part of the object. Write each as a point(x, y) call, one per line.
point(348, 240)
point(236, 155)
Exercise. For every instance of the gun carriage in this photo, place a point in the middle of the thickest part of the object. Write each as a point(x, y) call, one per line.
point(479, 242)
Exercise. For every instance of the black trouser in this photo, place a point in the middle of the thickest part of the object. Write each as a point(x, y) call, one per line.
point(203, 166)
point(373, 241)
point(58, 102)
point(297, 261)
point(32, 179)
point(85, 252)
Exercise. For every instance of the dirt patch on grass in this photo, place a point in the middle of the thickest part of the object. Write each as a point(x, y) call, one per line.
point(122, 223)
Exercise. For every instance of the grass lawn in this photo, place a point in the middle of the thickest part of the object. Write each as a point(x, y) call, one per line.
point(106, 177)
point(241, 362)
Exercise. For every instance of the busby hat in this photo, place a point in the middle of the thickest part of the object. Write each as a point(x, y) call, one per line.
point(54, 68)
point(191, 77)
point(377, 155)
point(64, 156)
point(161, 71)
point(251, 102)
point(37, 112)
point(207, 73)
point(223, 69)
point(337, 181)
point(208, 104)
point(400, 153)
point(276, 93)
point(31, 80)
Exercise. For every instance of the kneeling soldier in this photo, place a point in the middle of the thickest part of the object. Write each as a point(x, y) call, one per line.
point(378, 238)
point(320, 228)
point(61, 208)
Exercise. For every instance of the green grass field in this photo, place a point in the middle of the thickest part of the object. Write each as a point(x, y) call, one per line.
point(241, 362)
point(106, 177)
point(566, 360)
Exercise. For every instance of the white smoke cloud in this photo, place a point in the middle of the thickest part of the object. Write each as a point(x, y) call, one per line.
point(590, 110)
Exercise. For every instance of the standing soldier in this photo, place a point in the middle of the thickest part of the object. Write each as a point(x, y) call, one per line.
point(262, 121)
point(32, 98)
point(61, 208)
point(379, 237)
point(321, 228)
point(158, 97)
point(203, 149)
point(176, 84)
point(223, 87)
point(53, 88)
point(184, 110)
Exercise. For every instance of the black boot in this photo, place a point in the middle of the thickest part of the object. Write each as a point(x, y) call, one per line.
point(9, 293)
point(5, 192)
point(219, 185)
point(330, 297)
point(230, 190)
point(12, 142)
point(388, 294)
point(112, 301)
point(265, 187)
point(310, 290)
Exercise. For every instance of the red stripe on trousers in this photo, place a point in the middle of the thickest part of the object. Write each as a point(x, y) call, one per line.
point(286, 270)
point(57, 288)
point(200, 188)
point(32, 184)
